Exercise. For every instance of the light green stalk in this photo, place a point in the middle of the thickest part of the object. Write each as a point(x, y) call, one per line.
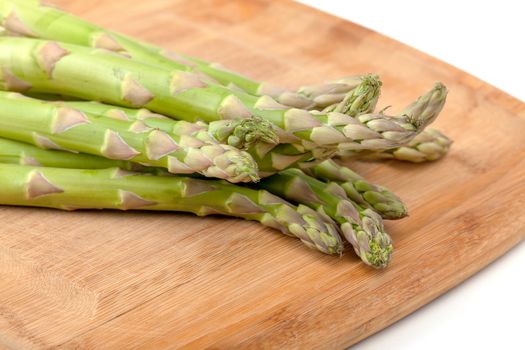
point(32, 19)
point(47, 125)
point(358, 189)
point(114, 188)
point(430, 145)
point(15, 152)
point(370, 131)
point(363, 228)
point(239, 133)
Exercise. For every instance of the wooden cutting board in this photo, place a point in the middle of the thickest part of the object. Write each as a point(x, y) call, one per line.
point(120, 280)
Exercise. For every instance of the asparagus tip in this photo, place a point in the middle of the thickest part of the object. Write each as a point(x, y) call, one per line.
point(242, 133)
point(371, 243)
point(360, 100)
point(427, 107)
point(379, 255)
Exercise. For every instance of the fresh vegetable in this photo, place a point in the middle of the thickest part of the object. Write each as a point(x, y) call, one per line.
point(240, 133)
point(430, 145)
point(363, 228)
point(51, 126)
point(114, 188)
point(90, 118)
point(358, 189)
point(386, 133)
point(30, 18)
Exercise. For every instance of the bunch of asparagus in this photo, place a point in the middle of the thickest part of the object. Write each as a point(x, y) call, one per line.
point(90, 118)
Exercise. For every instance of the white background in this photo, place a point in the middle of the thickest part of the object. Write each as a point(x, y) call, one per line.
point(486, 39)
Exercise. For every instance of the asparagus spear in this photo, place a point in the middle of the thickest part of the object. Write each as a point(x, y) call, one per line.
point(36, 20)
point(14, 152)
point(366, 194)
point(49, 126)
point(430, 145)
point(363, 228)
point(269, 156)
point(113, 188)
point(239, 133)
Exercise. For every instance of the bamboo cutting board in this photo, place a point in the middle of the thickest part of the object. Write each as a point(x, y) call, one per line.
point(119, 280)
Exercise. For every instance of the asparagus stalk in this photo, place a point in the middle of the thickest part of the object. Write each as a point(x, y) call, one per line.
point(239, 133)
point(47, 125)
point(139, 85)
point(15, 152)
point(363, 228)
point(269, 156)
point(113, 188)
point(45, 66)
point(22, 18)
point(430, 145)
point(364, 193)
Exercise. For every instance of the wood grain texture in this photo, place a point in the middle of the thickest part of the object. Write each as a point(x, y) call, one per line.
point(121, 280)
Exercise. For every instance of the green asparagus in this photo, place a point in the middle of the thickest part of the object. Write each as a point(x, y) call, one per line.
point(22, 18)
point(430, 145)
point(240, 133)
point(47, 125)
point(366, 194)
point(363, 228)
point(15, 152)
point(114, 188)
point(92, 74)
point(272, 159)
